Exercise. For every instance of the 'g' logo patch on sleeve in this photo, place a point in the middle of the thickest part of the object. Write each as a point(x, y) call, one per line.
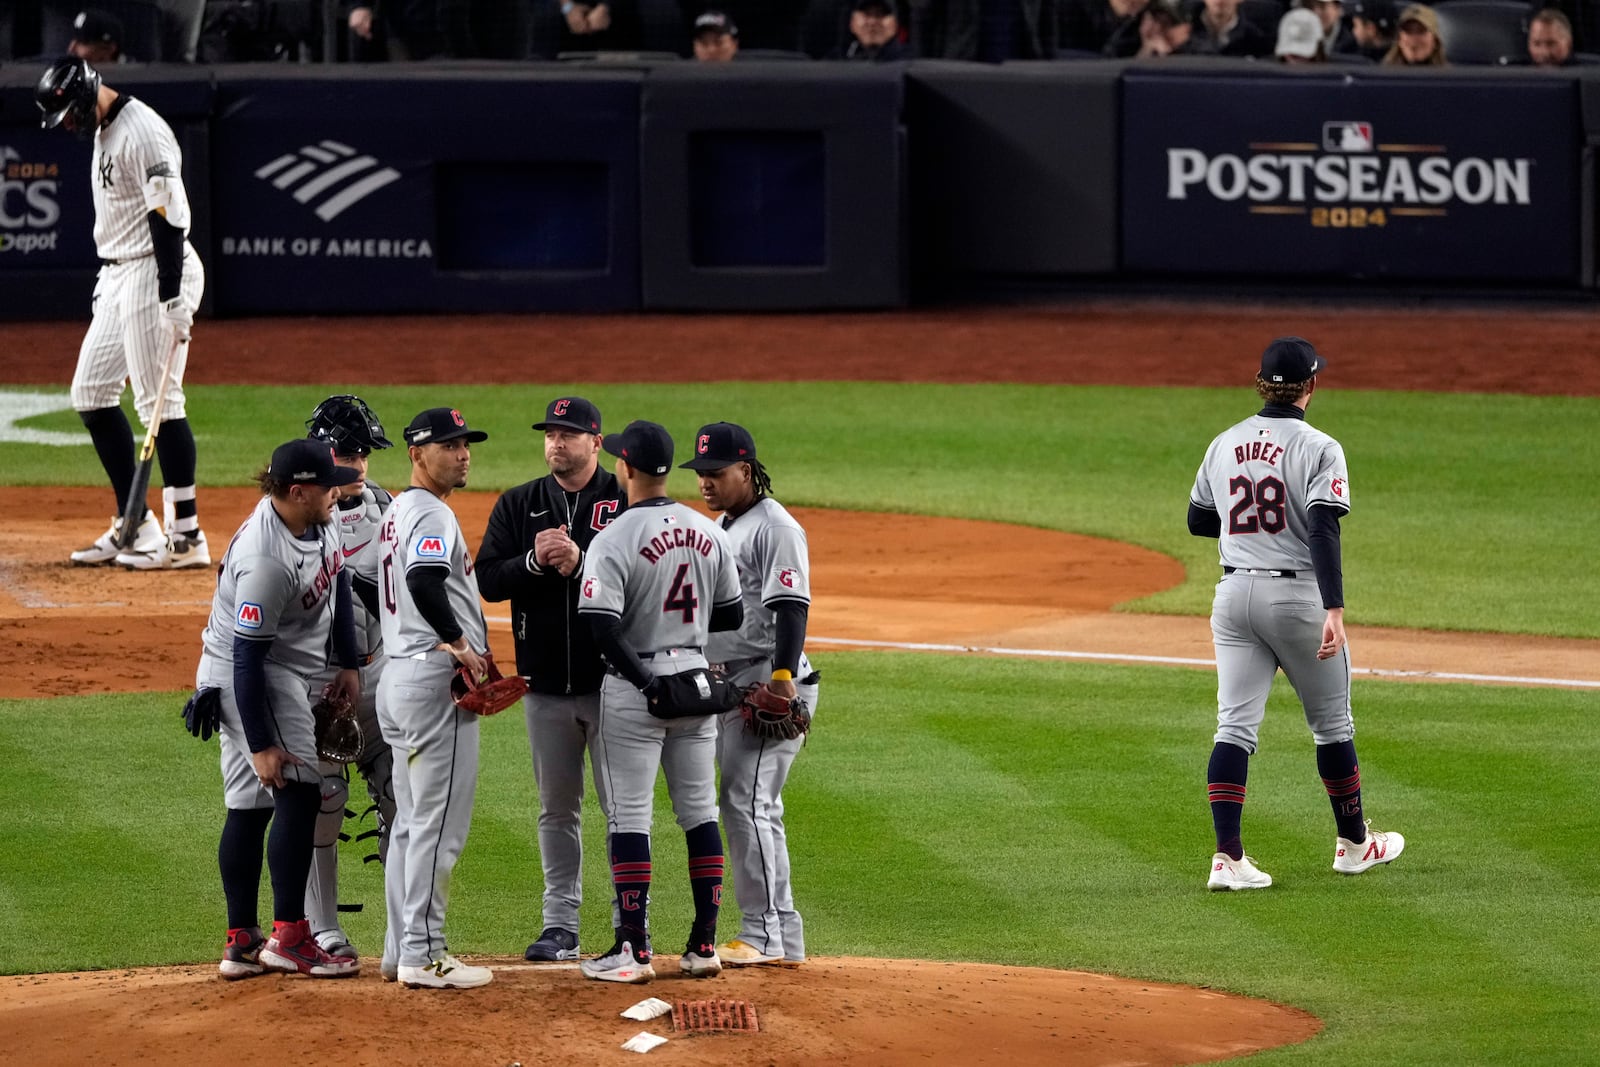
point(591, 588)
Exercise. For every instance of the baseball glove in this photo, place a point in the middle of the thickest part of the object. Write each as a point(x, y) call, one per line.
point(494, 694)
point(772, 717)
point(697, 691)
point(338, 732)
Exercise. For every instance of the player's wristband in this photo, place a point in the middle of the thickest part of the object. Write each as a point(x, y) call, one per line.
point(782, 675)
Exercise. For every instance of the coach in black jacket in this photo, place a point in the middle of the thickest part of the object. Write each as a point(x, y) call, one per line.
point(532, 555)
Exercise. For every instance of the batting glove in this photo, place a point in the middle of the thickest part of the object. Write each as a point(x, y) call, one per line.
point(177, 316)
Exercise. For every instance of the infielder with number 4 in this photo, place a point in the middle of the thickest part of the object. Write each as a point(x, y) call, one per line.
point(1280, 603)
point(775, 574)
point(144, 303)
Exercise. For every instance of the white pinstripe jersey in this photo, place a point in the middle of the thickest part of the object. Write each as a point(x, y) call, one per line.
point(137, 169)
point(659, 567)
point(420, 530)
point(1262, 476)
point(275, 586)
point(774, 566)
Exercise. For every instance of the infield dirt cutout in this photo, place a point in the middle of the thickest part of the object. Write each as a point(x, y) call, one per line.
point(877, 578)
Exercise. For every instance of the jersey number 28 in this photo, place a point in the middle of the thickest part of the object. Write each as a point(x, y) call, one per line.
point(1261, 505)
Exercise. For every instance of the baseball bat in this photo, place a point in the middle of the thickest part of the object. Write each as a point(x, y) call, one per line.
point(133, 512)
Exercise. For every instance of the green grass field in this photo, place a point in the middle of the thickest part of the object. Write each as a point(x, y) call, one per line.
point(997, 810)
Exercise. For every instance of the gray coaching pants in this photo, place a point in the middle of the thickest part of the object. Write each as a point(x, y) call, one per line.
point(1259, 624)
point(560, 730)
point(435, 746)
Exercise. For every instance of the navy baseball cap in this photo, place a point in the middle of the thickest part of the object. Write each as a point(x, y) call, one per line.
point(886, 6)
point(1291, 359)
point(307, 462)
point(645, 445)
point(93, 26)
point(721, 444)
point(570, 413)
point(715, 22)
point(440, 424)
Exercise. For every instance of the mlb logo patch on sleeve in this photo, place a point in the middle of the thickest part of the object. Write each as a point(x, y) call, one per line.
point(429, 546)
point(249, 616)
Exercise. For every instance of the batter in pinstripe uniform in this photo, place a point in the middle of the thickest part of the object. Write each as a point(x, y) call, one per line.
point(1272, 489)
point(656, 582)
point(432, 621)
point(144, 301)
point(775, 574)
point(282, 608)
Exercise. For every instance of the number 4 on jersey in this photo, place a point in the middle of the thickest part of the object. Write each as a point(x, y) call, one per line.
point(681, 596)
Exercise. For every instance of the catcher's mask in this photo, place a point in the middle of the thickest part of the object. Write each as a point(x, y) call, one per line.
point(68, 94)
point(346, 423)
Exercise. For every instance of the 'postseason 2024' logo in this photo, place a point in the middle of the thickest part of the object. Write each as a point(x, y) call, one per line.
point(1350, 178)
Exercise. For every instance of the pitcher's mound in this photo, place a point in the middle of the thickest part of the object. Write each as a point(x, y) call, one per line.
point(836, 1011)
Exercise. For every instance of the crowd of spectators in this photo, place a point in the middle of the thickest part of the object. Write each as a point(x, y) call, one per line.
point(1538, 32)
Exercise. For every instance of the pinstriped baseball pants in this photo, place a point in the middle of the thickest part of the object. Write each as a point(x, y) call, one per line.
point(128, 341)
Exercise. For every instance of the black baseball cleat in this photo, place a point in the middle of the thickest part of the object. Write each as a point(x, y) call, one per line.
point(553, 946)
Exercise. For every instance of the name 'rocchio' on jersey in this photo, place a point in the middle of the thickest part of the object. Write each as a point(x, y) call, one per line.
point(677, 537)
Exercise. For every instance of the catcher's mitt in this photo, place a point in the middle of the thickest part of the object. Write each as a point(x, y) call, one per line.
point(697, 691)
point(338, 732)
point(494, 694)
point(770, 716)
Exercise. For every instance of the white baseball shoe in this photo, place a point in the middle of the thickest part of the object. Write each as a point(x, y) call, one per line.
point(1349, 857)
point(175, 552)
point(146, 539)
point(446, 972)
point(1230, 873)
point(700, 961)
point(336, 942)
point(621, 964)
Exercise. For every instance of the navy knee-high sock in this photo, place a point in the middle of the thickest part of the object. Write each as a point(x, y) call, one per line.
point(112, 437)
point(289, 848)
point(1225, 778)
point(705, 880)
point(630, 874)
point(175, 449)
point(1341, 777)
point(239, 860)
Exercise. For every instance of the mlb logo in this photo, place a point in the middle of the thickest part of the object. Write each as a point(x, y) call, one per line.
point(429, 548)
point(1347, 136)
point(249, 616)
point(670, 520)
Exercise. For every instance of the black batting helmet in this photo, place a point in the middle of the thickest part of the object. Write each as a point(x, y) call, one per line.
point(346, 423)
point(69, 93)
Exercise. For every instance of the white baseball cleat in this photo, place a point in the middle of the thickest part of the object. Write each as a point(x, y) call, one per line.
point(619, 965)
point(146, 539)
point(1230, 873)
point(175, 552)
point(446, 972)
point(1350, 857)
point(700, 961)
point(336, 942)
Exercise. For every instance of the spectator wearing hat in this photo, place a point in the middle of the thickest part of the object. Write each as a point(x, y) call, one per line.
point(1372, 25)
point(1102, 27)
point(761, 24)
point(1221, 30)
point(1550, 39)
point(96, 38)
point(1418, 43)
point(1336, 36)
point(1162, 29)
point(873, 35)
point(1300, 38)
point(716, 37)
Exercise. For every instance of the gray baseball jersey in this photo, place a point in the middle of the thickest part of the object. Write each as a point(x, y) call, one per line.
point(275, 587)
point(360, 519)
point(1262, 476)
point(774, 565)
point(653, 567)
point(420, 530)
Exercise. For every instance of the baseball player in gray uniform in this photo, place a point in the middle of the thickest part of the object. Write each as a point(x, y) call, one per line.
point(775, 573)
point(144, 303)
point(282, 599)
point(432, 622)
point(1283, 487)
point(656, 582)
point(349, 427)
